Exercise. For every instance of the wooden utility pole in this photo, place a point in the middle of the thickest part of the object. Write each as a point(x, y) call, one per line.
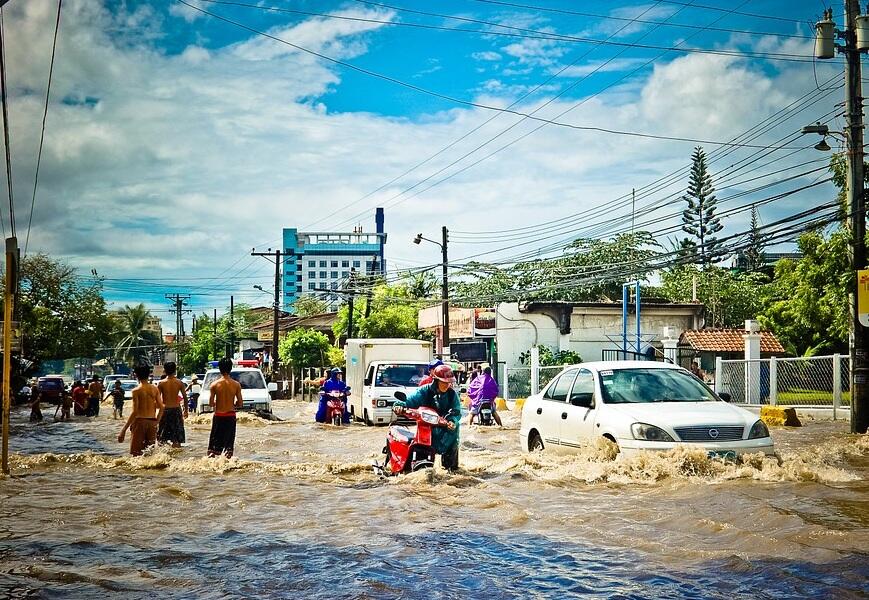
point(276, 309)
point(8, 300)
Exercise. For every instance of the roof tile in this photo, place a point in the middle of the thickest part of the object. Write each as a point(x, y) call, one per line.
point(728, 340)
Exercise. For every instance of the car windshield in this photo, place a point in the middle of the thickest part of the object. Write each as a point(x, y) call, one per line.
point(129, 385)
point(622, 386)
point(395, 375)
point(249, 380)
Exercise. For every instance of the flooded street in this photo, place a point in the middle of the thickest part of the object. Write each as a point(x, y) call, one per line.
point(300, 510)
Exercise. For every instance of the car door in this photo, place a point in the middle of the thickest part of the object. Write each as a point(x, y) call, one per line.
point(579, 413)
point(552, 405)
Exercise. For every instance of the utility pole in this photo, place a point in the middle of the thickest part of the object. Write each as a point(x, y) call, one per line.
point(10, 290)
point(445, 297)
point(859, 342)
point(179, 300)
point(214, 336)
point(275, 362)
point(231, 351)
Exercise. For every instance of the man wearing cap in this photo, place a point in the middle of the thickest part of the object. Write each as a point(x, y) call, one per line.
point(443, 398)
point(432, 365)
point(333, 384)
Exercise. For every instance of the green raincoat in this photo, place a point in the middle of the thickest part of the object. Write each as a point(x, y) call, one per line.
point(443, 440)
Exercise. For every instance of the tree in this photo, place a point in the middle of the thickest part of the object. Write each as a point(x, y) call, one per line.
point(699, 220)
point(308, 305)
point(200, 347)
point(807, 304)
point(304, 348)
point(62, 316)
point(730, 298)
point(754, 253)
point(134, 341)
point(393, 312)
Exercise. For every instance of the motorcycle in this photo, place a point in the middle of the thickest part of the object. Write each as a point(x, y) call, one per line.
point(336, 403)
point(485, 415)
point(410, 450)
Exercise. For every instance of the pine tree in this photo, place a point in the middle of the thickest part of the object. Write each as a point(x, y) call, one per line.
point(699, 220)
point(754, 252)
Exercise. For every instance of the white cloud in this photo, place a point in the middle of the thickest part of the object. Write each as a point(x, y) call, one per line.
point(488, 56)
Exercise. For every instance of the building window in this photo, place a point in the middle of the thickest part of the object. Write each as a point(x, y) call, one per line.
point(356, 264)
point(322, 264)
point(322, 274)
point(345, 263)
point(334, 274)
point(368, 266)
point(298, 289)
point(312, 285)
point(345, 274)
point(334, 285)
point(312, 274)
point(334, 263)
point(312, 263)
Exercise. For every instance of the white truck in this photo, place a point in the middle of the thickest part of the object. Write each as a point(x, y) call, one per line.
point(377, 368)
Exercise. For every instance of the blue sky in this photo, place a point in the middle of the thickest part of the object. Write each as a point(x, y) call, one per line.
point(176, 142)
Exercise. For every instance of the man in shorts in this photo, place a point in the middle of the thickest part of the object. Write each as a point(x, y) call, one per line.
point(225, 398)
point(172, 389)
point(117, 394)
point(147, 410)
point(95, 394)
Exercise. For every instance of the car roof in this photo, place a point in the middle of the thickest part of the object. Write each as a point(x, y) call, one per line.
point(605, 365)
point(235, 369)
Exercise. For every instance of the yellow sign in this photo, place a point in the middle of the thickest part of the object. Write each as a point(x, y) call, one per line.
point(264, 336)
point(863, 297)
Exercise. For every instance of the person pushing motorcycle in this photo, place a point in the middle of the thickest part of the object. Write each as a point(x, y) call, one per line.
point(440, 396)
point(333, 384)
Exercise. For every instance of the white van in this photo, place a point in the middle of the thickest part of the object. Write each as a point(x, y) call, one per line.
point(254, 391)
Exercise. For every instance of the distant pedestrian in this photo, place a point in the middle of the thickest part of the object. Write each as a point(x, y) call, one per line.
point(225, 398)
point(147, 409)
point(65, 405)
point(35, 411)
point(95, 395)
point(117, 394)
point(172, 390)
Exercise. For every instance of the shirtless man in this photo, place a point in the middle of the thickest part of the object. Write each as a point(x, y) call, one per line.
point(171, 428)
point(147, 410)
point(225, 398)
point(95, 394)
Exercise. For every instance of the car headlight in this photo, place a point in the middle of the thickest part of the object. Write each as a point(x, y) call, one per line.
point(650, 433)
point(758, 430)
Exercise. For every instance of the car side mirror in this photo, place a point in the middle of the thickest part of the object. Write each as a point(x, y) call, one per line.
point(401, 396)
point(586, 400)
point(367, 382)
point(273, 387)
point(725, 396)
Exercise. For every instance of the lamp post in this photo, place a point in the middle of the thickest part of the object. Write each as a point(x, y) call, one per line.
point(445, 290)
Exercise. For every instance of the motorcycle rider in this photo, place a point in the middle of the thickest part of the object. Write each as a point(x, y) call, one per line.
point(483, 388)
point(432, 365)
point(333, 384)
point(443, 398)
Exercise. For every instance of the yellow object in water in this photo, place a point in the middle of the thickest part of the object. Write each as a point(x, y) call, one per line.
point(501, 404)
point(520, 402)
point(778, 415)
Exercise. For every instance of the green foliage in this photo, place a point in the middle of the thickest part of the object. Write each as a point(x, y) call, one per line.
point(807, 305)
point(393, 313)
point(61, 315)
point(308, 305)
point(305, 348)
point(335, 357)
point(754, 252)
point(550, 358)
point(699, 220)
point(199, 348)
point(730, 298)
point(133, 340)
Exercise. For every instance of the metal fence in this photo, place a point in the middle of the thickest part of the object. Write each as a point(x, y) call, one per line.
point(519, 381)
point(818, 381)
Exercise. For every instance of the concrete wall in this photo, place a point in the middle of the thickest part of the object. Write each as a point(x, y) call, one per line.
point(590, 329)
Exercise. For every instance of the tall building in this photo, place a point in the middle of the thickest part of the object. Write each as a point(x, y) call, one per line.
point(323, 261)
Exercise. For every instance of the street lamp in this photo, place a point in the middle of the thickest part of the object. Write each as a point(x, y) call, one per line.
point(445, 290)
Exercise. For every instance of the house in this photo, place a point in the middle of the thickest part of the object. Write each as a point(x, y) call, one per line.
point(726, 343)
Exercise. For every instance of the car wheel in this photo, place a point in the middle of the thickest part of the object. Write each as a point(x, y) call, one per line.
point(535, 442)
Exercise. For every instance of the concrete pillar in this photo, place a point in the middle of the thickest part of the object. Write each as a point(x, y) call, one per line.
point(752, 362)
point(564, 341)
point(837, 384)
point(773, 381)
point(719, 375)
point(535, 369)
point(671, 345)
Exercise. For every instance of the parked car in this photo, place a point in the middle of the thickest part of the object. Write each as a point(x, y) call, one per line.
point(109, 380)
point(51, 388)
point(128, 385)
point(639, 405)
point(254, 390)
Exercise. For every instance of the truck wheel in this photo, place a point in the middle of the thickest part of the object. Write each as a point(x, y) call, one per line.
point(368, 421)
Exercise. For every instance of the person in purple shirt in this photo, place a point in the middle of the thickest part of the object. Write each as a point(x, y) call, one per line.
point(334, 383)
point(483, 388)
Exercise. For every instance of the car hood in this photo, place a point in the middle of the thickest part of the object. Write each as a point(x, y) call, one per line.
point(684, 414)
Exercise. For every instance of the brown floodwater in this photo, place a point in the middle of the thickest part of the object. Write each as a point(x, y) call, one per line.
point(300, 510)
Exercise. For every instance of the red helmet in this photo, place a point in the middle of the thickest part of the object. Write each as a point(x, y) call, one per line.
point(444, 373)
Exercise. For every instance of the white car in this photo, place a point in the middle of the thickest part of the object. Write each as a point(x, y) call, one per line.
point(254, 391)
point(639, 405)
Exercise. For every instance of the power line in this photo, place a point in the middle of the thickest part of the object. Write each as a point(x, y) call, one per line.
point(42, 132)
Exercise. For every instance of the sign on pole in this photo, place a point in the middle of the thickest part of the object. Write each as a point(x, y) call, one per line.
point(863, 297)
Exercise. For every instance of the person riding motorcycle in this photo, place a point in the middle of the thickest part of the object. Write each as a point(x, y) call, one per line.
point(432, 365)
point(440, 396)
point(483, 388)
point(333, 384)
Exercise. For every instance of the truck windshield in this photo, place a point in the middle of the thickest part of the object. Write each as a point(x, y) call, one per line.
point(395, 375)
point(249, 380)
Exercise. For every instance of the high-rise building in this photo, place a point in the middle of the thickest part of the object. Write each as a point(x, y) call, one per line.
point(320, 261)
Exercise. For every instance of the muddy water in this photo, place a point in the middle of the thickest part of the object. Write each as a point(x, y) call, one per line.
point(300, 510)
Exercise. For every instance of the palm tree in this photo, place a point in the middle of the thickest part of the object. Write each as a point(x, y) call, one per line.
point(132, 333)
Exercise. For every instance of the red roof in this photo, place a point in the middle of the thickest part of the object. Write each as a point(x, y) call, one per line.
point(728, 340)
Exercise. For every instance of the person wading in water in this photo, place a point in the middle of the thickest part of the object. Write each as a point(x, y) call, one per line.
point(147, 410)
point(171, 428)
point(225, 398)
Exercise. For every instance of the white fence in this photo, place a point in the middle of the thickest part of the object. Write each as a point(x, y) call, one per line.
point(817, 381)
